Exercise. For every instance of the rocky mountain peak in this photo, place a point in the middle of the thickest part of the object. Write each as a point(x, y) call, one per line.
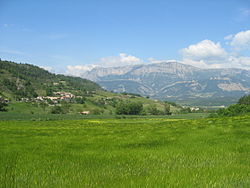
point(172, 80)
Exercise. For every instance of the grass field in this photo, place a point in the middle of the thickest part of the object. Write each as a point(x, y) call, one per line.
point(126, 153)
point(48, 117)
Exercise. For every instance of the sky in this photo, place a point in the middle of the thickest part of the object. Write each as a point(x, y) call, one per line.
point(71, 36)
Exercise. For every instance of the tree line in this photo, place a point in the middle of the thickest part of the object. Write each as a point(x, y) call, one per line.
point(242, 107)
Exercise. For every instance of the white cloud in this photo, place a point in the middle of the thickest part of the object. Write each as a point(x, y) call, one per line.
point(240, 62)
point(121, 60)
point(229, 62)
point(79, 69)
point(153, 60)
point(229, 37)
point(200, 64)
point(205, 50)
point(207, 54)
point(113, 61)
point(241, 40)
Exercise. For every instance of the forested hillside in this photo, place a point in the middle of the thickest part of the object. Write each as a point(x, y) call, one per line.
point(25, 80)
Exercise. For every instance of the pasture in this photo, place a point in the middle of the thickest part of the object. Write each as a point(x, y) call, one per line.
point(141, 152)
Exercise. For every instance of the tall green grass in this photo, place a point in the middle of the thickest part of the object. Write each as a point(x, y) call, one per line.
point(126, 153)
point(47, 117)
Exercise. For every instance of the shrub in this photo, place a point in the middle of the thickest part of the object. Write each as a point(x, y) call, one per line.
point(244, 100)
point(242, 107)
point(167, 109)
point(97, 111)
point(2, 106)
point(234, 110)
point(129, 108)
point(80, 100)
point(57, 110)
point(152, 110)
point(63, 109)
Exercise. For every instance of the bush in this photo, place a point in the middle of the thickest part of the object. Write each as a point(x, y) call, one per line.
point(233, 110)
point(242, 107)
point(80, 100)
point(63, 109)
point(97, 111)
point(57, 110)
point(152, 110)
point(186, 110)
point(244, 100)
point(167, 109)
point(129, 108)
point(2, 106)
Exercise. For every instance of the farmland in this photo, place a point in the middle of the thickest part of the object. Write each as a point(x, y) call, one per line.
point(142, 152)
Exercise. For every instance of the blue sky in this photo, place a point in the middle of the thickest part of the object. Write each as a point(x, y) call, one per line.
point(68, 36)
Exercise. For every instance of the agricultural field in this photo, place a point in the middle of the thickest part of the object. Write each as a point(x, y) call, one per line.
point(143, 152)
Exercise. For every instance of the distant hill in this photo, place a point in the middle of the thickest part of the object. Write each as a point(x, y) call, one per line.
point(33, 90)
point(25, 80)
point(175, 82)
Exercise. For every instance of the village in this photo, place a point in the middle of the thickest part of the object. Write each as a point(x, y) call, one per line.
point(55, 99)
point(60, 97)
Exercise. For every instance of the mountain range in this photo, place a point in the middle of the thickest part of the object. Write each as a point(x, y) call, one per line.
point(175, 81)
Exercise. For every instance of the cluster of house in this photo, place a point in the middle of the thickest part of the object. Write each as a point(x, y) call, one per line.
point(85, 112)
point(194, 109)
point(59, 96)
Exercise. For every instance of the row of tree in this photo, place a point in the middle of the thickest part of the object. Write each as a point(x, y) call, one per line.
point(242, 107)
point(136, 108)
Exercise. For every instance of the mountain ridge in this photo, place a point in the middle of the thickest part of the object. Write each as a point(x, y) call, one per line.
point(173, 81)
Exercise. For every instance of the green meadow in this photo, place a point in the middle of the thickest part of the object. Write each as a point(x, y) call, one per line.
point(142, 152)
point(48, 117)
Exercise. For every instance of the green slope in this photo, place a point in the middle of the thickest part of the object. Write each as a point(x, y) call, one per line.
point(25, 80)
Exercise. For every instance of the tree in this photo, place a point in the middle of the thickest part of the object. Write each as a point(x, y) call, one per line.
point(152, 110)
point(122, 108)
point(80, 100)
point(167, 109)
point(57, 110)
point(186, 110)
point(135, 108)
point(233, 110)
point(242, 107)
point(63, 109)
point(49, 92)
point(244, 100)
point(2, 106)
point(129, 108)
